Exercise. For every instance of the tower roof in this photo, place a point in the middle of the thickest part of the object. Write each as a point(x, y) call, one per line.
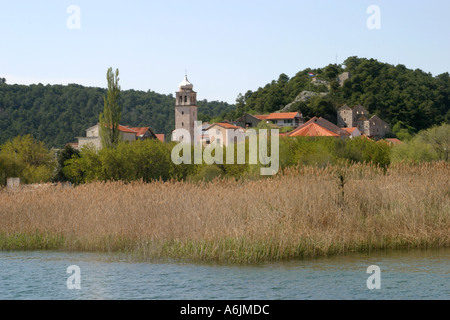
point(185, 84)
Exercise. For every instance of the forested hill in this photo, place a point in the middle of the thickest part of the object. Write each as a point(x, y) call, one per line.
point(56, 114)
point(407, 99)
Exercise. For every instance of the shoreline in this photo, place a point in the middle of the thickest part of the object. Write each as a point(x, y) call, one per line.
point(200, 252)
point(300, 214)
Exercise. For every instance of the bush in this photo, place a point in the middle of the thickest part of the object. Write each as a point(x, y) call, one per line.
point(26, 158)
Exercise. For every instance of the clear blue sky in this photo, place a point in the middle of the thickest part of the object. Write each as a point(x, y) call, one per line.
point(227, 47)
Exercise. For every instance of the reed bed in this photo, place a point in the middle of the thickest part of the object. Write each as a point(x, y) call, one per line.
point(300, 213)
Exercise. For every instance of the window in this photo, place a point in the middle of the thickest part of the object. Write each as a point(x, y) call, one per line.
point(185, 98)
point(218, 141)
point(217, 131)
point(182, 113)
point(182, 124)
point(181, 99)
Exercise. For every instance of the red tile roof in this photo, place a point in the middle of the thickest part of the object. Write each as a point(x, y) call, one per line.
point(282, 115)
point(394, 140)
point(126, 129)
point(140, 131)
point(160, 136)
point(225, 125)
point(350, 130)
point(262, 116)
point(364, 136)
point(324, 124)
point(313, 130)
point(72, 144)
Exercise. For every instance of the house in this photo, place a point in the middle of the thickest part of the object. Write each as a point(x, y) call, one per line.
point(376, 128)
point(144, 133)
point(262, 117)
point(286, 119)
point(126, 134)
point(318, 127)
point(354, 132)
point(359, 117)
point(221, 134)
point(249, 121)
point(204, 138)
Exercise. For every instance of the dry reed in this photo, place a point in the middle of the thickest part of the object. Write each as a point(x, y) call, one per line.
point(302, 212)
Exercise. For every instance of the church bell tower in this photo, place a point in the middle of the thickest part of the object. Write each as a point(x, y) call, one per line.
point(185, 107)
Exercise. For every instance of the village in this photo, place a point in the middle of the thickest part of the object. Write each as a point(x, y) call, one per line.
point(352, 122)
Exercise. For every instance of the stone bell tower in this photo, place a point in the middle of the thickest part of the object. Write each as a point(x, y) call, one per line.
point(185, 107)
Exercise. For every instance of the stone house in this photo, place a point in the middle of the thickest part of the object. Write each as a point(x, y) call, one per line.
point(126, 134)
point(359, 117)
point(376, 128)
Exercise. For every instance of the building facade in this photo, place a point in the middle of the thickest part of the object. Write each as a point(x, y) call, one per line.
point(185, 109)
point(359, 117)
point(126, 134)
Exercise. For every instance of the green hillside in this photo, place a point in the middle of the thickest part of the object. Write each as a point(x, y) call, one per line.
point(56, 114)
point(411, 99)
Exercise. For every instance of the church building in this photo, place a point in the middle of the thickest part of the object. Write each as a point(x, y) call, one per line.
point(185, 108)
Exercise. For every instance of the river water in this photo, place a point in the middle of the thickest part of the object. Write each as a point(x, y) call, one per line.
point(417, 274)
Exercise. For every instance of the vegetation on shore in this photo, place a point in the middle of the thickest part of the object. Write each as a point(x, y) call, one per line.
point(150, 160)
point(302, 212)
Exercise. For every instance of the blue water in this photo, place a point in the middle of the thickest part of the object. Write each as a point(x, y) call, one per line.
point(404, 275)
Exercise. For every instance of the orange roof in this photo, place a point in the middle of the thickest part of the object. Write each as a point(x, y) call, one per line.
point(324, 124)
point(140, 131)
point(262, 116)
point(394, 140)
point(282, 115)
point(313, 130)
point(126, 129)
point(160, 136)
point(224, 125)
point(350, 130)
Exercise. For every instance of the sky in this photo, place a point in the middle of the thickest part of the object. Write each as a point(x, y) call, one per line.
point(226, 47)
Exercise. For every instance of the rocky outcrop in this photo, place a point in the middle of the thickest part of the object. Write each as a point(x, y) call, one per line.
point(303, 96)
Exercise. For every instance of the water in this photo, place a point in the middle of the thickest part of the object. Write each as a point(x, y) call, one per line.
point(404, 275)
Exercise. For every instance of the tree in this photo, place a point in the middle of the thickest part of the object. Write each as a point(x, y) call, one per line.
point(63, 156)
point(112, 112)
point(438, 137)
point(26, 158)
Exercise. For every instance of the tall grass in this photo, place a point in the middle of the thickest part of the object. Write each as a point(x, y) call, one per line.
point(300, 213)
